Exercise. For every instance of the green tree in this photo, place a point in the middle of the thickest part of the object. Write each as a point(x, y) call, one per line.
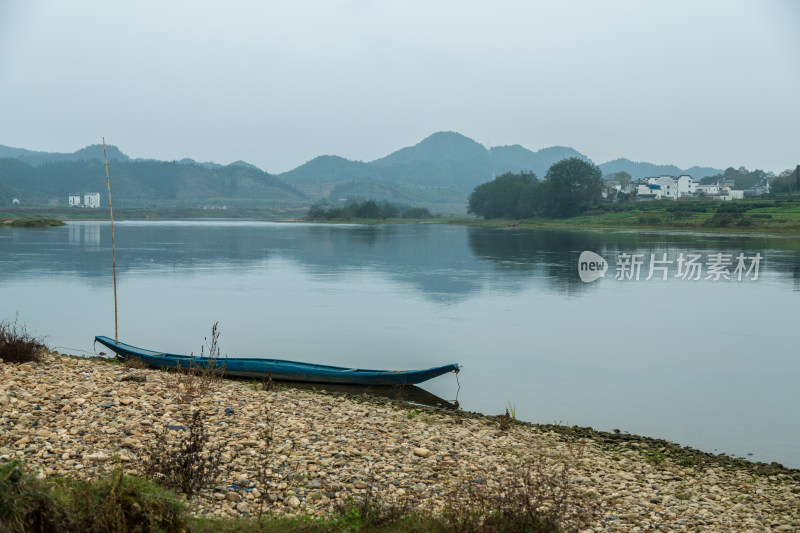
point(315, 212)
point(787, 181)
point(508, 195)
point(416, 212)
point(388, 210)
point(571, 185)
point(622, 177)
point(368, 209)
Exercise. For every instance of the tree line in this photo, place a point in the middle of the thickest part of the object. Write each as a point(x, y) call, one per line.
point(570, 187)
point(369, 209)
point(787, 181)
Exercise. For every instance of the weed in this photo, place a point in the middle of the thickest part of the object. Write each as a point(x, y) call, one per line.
point(202, 375)
point(134, 363)
point(17, 345)
point(505, 421)
point(369, 512)
point(25, 503)
point(124, 503)
point(186, 464)
point(413, 413)
point(655, 456)
point(115, 503)
point(536, 497)
point(683, 493)
point(263, 384)
point(513, 409)
point(263, 472)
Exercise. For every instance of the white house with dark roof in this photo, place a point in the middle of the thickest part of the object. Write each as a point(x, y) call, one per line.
point(91, 199)
point(666, 187)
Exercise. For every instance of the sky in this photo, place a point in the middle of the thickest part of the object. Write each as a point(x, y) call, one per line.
point(277, 83)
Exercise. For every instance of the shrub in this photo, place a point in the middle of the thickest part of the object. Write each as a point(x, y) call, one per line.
point(416, 212)
point(724, 219)
point(17, 345)
point(26, 504)
point(115, 503)
point(649, 218)
point(537, 497)
point(186, 464)
point(201, 376)
point(124, 503)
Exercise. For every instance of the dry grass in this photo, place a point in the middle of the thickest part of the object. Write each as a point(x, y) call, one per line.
point(17, 345)
point(202, 375)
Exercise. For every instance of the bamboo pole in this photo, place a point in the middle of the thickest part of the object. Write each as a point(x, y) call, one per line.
point(113, 246)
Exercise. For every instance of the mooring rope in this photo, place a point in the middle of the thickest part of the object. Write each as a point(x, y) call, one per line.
point(74, 350)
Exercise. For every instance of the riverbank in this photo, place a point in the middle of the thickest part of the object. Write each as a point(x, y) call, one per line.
point(75, 417)
point(763, 217)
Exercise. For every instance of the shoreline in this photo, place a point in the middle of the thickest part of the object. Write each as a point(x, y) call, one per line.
point(79, 417)
point(292, 215)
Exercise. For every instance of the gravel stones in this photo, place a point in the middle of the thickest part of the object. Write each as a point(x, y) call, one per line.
point(302, 452)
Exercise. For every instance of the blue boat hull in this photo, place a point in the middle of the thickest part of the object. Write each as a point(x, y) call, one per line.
point(251, 367)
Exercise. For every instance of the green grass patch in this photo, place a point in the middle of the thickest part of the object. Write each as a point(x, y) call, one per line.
point(115, 503)
point(533, 501)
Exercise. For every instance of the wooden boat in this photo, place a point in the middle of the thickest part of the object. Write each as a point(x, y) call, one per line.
point(277, 369)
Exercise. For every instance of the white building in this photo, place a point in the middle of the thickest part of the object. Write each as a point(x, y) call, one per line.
point(91, 199)
point(673, 188)
point(647, 191)
point(686, 185)
point(708, 190)
point(731, 194)
point(74, 200)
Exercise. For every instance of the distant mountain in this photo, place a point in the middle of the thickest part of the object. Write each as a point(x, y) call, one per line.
point(92, 152)
point(515, 158)
point(146, 182)
point(190, 161)
point(444, 159)
point(646, 170)
point(445, 165)
point(443, 168)
point(330, 169)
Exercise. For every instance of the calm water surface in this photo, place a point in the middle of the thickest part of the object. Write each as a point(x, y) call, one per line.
point(711, 364)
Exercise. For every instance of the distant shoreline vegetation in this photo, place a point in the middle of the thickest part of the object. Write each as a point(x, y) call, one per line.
point(573, 194)
point(366, 210)
point(31, 223)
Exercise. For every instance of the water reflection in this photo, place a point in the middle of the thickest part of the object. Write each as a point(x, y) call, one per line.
point(553, 255)
point(84, 234)
point(445, 263)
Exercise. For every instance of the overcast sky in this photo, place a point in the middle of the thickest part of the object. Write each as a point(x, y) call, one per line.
point(713, 83)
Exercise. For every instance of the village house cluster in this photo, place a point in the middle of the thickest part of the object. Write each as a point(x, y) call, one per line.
point(684, 186)
point(90, 199)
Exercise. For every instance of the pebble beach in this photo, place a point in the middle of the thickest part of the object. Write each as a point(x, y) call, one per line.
point(300, 451)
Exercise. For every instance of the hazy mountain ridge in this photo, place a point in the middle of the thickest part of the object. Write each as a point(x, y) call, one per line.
point(36, 158)
point(640, 170)
point(155, 182)
point(516, 158)
point(442, 168)
point(445, 164)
